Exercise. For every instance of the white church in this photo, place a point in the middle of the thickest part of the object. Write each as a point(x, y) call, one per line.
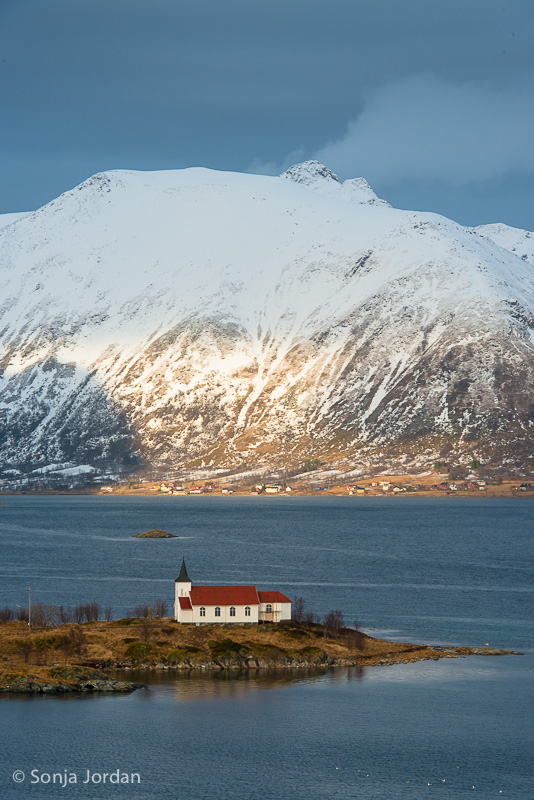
point(199, 605)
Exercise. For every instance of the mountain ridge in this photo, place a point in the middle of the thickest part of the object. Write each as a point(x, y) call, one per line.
point(194, 316)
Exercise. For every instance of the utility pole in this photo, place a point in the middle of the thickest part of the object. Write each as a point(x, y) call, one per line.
point(29, 608)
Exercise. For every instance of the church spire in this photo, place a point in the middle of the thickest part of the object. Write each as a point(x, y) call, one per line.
point(183, 576)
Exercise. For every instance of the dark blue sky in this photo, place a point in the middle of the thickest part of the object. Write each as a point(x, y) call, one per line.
point(431, 101)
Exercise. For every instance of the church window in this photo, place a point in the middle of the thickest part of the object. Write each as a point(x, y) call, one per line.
point(217, 611)
point(202, 612)
point(269, 609)
point(247, 611)
point(232, 611)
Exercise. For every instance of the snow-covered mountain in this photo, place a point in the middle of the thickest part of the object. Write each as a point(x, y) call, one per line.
point(197, 316)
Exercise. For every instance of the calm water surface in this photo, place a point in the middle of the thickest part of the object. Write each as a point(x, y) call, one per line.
point(451, 570)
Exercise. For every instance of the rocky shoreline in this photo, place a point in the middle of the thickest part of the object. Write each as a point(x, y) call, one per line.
point(100, 650)
point(412, 654)
point(94, 681)
point(64, 680)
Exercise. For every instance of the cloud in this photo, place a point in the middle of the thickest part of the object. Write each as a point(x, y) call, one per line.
point(260, 167)
point(425, 128)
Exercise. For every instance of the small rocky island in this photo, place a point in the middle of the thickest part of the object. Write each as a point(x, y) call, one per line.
point(154, 534)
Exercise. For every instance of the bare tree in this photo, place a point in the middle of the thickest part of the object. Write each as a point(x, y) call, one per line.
point(41, 647)
point(65, 614)
point(310, 618)
point(92, 611)
point(108, 611)
point(161, 608)
point(333, 622)
point(25, 648)
point(7, 614)
point(298, 608)
point(146, 629)
point(66, 645)
point(358, 637)
point(78, 639)
point(44, 615)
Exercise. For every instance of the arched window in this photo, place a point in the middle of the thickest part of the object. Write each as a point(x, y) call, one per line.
point(247, 611)
point(202, 612)
point(232, 611)
point(268, 609)
point(217, 611)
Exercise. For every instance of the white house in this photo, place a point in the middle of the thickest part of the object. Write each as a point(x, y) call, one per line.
point(239, 604)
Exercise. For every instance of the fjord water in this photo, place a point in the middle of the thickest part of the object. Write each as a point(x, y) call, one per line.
point(444, 571)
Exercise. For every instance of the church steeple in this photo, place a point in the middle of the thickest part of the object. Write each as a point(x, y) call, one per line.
point(182, 592)
point(183, 576)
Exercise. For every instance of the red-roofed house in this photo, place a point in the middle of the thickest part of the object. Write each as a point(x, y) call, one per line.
point(224, 604)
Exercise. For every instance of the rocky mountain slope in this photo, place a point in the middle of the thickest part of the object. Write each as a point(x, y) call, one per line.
point(194, 316)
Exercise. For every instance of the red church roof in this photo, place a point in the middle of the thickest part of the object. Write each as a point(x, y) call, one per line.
point(185, 603)
point(224, 596)
point(273, 597)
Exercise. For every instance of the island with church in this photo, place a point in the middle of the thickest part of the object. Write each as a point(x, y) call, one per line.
point(218, 628)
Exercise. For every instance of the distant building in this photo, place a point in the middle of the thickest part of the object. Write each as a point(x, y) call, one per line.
point(199, 605)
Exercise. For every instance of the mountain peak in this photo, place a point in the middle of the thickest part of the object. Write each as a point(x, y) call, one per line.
point(309, 173)
point(315, 176)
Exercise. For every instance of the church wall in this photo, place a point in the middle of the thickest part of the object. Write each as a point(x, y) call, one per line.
point(225, 615)
point(279, 612)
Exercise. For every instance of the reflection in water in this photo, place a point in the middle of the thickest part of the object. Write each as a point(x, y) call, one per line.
point(209, 685)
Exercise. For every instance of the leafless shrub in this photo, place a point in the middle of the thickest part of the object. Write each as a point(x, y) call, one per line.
point(73, 642)
point(146, 629)
point(92, 611)
point(358, 638)
point(142, 611)
point(41, 647)
point(64, 614)
point(310, 618)
point(44, 615)
point(65, 644)
point(7, 614)
point(161, 608)
point(298, 608)
point(24, 647)
point(333, 622)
